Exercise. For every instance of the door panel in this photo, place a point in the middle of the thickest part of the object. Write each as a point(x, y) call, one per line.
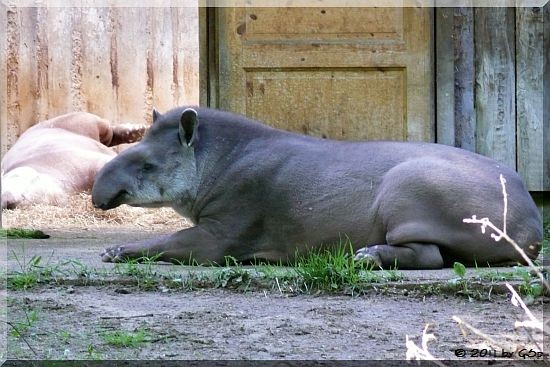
point(343, 73)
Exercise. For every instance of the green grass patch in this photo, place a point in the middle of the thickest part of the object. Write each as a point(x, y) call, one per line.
point(336, 270)
point(22, 233)
point(30, 273)
point(20, 328)
point(125, 339)
point(141, 270)
point(530, 285)
point(333, 270)
point(35, 271)
point(546, 241)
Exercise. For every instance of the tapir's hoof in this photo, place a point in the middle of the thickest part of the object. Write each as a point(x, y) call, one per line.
point(368, 256)
point(114, 254)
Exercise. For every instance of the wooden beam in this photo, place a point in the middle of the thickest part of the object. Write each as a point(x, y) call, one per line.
point(454, 77)
point(463, 37)
point(495, 84)
point(546, 104)
point(529, 95)
point(3, 80)
point(203, 56)
point(444, 78)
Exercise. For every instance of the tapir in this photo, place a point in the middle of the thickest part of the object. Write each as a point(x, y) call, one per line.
point(258, 193)
point(61, 156)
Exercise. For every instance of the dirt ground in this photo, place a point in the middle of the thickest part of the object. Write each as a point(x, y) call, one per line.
point(218, 324)
point(64, 320)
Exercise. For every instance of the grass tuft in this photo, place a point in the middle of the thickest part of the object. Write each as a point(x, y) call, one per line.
point(337, 270)
point(125, 339)
point(546, 240)
point(22, 233)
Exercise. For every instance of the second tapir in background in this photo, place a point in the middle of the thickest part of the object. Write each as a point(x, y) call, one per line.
point(61, 156)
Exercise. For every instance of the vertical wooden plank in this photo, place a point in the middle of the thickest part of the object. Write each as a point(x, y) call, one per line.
point(13, 42)
point(63, 76)
point(3, 150)
point(529, 95)
point(546, 104)
point(213, 66)
point(94, 35)
point(418, 33)
point(3, 82)
point(173, 56)
point(160, 58)
point(495, 84)
point(463, 42)
point(444, 65)
point(203, 56)
point(188, 31)
point(455, 71)
point(26, 80)
point(177, 55)
point(42, 62)
point(133, 27)
point(78, 98)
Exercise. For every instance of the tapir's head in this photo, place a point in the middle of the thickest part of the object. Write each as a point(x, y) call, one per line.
point(158, 171)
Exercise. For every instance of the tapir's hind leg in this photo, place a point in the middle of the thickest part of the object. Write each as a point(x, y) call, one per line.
point(409, 256)
point(127, 133)
point(421, 205)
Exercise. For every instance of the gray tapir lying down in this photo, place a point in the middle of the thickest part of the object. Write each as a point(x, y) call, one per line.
point(255, 192)
point(60, 156)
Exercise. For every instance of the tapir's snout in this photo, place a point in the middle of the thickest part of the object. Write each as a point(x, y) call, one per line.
point(107, 191)
point(100, 205)
point(98, 199)
point(107, 199)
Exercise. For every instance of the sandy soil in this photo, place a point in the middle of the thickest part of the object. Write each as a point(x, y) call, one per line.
point(219, 324)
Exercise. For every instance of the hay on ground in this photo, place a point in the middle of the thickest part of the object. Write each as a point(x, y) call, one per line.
point(78, 213)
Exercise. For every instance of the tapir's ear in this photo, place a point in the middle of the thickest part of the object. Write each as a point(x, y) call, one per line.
point(188, 130)
point(156, 115)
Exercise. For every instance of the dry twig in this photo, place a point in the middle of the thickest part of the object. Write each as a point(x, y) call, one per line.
point(416, 353)
point(501, 234)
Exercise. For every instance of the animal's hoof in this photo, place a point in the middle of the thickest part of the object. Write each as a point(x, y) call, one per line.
point(113, 254)
point(368, 256)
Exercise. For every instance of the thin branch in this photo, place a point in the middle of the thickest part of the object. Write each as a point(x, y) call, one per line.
point(516, 300)
point(461, 323)
point(416, 353)
point(126, 317)
point(278, 285)
point(21, 336)
point(500, 234)
point(505, 199)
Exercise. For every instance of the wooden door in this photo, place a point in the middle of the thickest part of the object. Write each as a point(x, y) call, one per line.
point(342, 73)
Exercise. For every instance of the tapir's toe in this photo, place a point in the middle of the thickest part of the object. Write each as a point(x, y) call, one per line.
point(113, 254)
point(367, 256)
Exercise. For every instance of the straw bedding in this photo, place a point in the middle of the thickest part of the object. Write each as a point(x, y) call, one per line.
point(78, 213)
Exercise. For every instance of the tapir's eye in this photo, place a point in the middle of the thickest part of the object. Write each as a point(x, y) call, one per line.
point(147, 167)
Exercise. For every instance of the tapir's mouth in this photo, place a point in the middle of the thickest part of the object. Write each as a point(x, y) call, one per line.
point(152, 204)
point(117, 200)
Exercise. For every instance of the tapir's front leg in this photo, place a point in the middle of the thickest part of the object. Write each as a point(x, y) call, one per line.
point(194, 244)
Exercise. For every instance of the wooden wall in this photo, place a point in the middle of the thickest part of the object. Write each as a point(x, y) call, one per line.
point(116, 62)
point(119, 62)
point(489, 82)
